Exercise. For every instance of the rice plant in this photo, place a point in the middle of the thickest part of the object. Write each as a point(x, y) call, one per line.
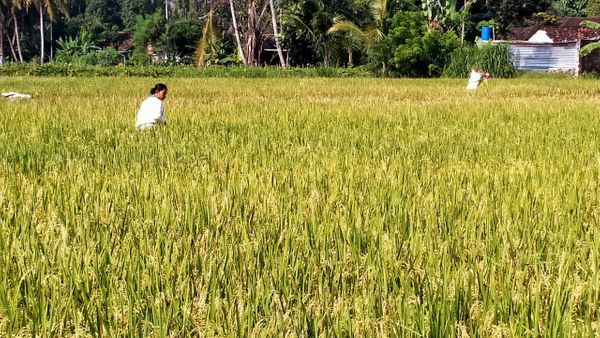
point(300, 207)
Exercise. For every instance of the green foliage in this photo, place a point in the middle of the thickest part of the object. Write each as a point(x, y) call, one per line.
point(131, 9)
point(100, 18)
point(371, 35)
point(515, 12)
point(300, 208)
point(573, 8)
point(182, 36)
point(176, 38)
point(418, 52)
point(209, 45)
point(81, 50)
point(143, 68)
point(79, 45)
point(306, 23)
point(490, 23)
point(104, 57)
point(495, 59)
point(106, 12)
point(589, 48)
point(544, 18)
point(149, 29)
point(593, 8)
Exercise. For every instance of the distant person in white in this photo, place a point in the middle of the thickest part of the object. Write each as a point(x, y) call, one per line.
point(475, 79)
point(152, 110)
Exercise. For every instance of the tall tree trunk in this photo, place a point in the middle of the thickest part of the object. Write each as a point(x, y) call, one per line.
point(350, 57)
point(237, 32)
point(206, 41)
point(17, 37)
point(11, 44)
point(276, 34)
point(42, 47)
point(51, 42)
point(251, 42)
point(462, 26)
point(2, 25)
point(167, 9)
point(4, 34)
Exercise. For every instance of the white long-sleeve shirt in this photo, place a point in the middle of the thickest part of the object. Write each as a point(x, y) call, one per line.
point(151, 112)
point(474, 80)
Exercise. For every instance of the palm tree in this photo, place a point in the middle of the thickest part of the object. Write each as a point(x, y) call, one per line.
point(276, 34)
point(52, 7)
point(13, 6)
point(2, 28)
point(369, 36)
point(207, 46)
point(315, 28)
point(236, 32)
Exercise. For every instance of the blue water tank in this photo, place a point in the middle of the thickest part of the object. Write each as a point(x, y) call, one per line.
point(486, 33)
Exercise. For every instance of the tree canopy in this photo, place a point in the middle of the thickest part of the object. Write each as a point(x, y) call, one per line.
point(370, 33)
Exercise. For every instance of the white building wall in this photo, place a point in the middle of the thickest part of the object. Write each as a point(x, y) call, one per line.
point(546, 56)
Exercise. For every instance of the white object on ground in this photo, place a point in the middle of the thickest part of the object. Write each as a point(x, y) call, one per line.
point(16, 96)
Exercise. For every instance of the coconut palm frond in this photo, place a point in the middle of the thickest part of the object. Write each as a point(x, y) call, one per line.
point(379, 10)
point(349, 27)
point(208, 34)
point(374, 34)
point(50, 6)
point(298, 21)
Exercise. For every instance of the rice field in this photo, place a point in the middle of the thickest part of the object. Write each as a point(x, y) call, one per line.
point(301, 207)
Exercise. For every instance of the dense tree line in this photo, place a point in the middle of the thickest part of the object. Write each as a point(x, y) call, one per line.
point(407, 37)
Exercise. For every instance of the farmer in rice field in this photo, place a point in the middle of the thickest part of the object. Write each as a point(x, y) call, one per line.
point(475, 79)
point(152, 110)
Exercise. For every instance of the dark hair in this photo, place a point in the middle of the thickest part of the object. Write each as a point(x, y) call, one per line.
point(157, 88)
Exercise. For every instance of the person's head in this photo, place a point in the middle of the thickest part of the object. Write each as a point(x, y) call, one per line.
point(159, 91)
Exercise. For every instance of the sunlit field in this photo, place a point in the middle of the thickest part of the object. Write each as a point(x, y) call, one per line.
point(301, 207)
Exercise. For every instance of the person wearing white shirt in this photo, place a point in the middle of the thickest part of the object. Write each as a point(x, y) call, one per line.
point(152, 110)
point(475, 79)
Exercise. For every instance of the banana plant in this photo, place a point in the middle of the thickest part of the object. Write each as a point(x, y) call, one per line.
point(80, 45)
point(438, 11)
point(587, 49)
point(435, 11)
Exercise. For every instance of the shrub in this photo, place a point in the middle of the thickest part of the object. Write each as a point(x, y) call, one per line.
point(417, 50)
point(105, 57)
point(154, 70)
point(495, 59)
point(73, 47)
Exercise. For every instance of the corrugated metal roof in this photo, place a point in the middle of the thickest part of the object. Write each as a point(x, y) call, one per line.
point(567, 29)
point(558, 34)
point(523, 33)
point(576, 21)
point(564, 34)
point(546, 57)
